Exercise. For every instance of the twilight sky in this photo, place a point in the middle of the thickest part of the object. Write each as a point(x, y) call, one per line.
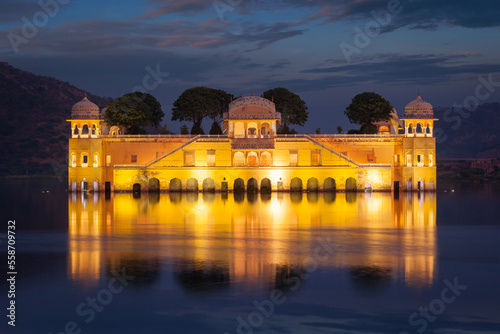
point(319, 49)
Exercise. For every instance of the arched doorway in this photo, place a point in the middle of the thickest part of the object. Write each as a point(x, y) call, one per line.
point(192, 185)
point(154, 185)
point(329, 184)
point(296, 184)
point(252, 185)
point(175, 185)
point(252, 159)
point(136, 188)
point(351, 184)
point(239, 185)
point(313, 184)
point(209, 185)
point(265, 185)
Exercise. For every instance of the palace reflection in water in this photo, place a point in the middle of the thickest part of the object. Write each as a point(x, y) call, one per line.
point(246, 241)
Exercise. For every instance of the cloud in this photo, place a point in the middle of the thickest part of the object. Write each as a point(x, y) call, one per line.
point(388, 69)
point(416, 14)
point(99, 36)
point(168, 7)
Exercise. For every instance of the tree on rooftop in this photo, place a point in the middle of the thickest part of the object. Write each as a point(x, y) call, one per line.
point(368, 108)
point(292, 108)
point(197, 103)
point(134, 110)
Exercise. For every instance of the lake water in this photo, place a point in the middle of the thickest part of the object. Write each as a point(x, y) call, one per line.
point(279, 263)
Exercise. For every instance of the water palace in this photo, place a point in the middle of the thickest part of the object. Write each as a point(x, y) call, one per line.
point(251, 156)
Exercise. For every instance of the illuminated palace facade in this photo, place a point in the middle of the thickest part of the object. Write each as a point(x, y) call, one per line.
point(251, 156)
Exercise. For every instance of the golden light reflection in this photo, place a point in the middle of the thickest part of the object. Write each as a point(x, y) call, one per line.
point(250, 237)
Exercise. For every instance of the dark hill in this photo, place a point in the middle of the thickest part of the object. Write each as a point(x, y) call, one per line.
point(33, 113)
point(468, 134)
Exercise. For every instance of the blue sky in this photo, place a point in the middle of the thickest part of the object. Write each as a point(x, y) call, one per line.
point(437, 47)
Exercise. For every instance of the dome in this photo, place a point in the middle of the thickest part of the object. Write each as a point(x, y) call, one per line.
point(85, 109)
point(419, 108)
point(252, 107)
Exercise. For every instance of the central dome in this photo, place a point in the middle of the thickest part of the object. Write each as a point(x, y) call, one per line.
point(252, 107)
point(419, 108)
point(85, 109)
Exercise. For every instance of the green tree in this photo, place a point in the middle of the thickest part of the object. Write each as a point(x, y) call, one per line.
point(339, 129)
point(318, 131)
point(197, 103)
point(166, 131)
point(292, 108)
point(184, 129)
point(368, 108)
point(216, 129)
point(134, 110)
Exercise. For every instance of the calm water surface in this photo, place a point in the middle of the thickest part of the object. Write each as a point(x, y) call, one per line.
point(281, 263)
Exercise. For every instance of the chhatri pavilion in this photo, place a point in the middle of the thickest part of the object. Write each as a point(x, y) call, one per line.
point(251, 156)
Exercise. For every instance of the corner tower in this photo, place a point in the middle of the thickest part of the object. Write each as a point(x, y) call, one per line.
point(85, 147)
point(419, 146)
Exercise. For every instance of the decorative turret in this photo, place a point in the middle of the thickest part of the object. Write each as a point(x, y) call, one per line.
point(419, 118)
point(85, 119)
point(85, 109)
point(419, 108)
point(251, 117)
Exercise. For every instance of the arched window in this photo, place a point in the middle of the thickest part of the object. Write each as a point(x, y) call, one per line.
point(76, 132)
point(85, 160)
point(266, 159)
point(94, 130)
point(239, 159)
point(265, 130)
point(419, 128)
point(239, 130)
point(410, 129)
point(85, 130)
point(252, 130)
point(252, 160)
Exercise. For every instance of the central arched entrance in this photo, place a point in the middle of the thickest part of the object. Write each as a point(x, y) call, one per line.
point(192, 185)
point(252, 185)
point(239, 185)
point(313, 185)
